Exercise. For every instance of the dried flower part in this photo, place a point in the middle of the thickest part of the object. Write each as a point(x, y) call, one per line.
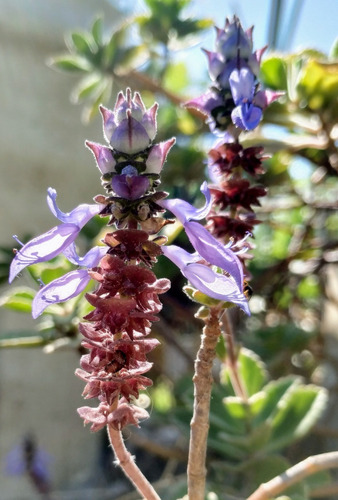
point(236, 193)
point(126, 303)
point(222, 226)
point(225, 157)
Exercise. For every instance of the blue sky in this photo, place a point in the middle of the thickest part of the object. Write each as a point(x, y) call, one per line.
point(316, 23)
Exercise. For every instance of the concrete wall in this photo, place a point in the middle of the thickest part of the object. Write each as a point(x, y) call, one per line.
point(42, 145)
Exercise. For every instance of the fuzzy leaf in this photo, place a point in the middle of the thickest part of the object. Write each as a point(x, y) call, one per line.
point(68, 62)
point(18, 299)
point(83, 43)
point(87, 88)
point(298, 411)
point(274, 74)
point(96, 30)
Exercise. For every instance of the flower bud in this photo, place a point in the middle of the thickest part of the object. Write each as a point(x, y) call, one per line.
point(130, 128)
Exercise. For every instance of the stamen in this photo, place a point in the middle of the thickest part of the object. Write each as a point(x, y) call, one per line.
point(17, 240)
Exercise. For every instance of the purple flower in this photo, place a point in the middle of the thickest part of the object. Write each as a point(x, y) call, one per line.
point(233, 39)
point(28, 458)
point(71, 284)
point(209, 250)
point(130, 128)
point(214, 284)
point(50, 244)
point(242, 84)
point(129, 184)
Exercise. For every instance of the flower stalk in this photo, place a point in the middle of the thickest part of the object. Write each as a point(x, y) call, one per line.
point(233, 104)
point(125, 460)
point(199, 426)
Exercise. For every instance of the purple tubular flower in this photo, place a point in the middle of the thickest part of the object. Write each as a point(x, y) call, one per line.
point(242, 84)
point(186, 212)
point(202, 277)
point(71, 284)
point(207, 248)
point(50, 244)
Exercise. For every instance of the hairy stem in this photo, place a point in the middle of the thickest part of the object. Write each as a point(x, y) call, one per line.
point(125, 460)
point(199, 425)
point(303, 469)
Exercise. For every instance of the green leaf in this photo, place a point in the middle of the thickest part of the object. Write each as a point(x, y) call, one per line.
point(68, 62)
point(176, 77)
point(319, 84)
point(102, 95)
point(251, 371)
point(271, 395)
point(18, 299)
point(110, 50)
point(130, 58)
point(274, 73)
point(296, 413)
point(97, 30)
point(83, 43)
point(87, 88)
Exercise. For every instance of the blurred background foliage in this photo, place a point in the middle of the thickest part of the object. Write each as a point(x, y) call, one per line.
point(282, 347)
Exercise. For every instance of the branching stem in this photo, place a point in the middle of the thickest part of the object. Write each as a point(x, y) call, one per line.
point(303, 469)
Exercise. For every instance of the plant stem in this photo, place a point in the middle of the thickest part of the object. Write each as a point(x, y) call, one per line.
point(307, 467)
point(231, 357)
point(199, 425)
point(125, 460)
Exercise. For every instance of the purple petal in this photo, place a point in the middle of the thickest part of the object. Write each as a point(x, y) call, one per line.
point(158, 155)
point(130, 136)
point(215, 63)
point(246, 116)
point(205, 102)
point(60, 290)
point(149, 121)
point(263, 98)
point(103, 156)
point(242, 85)
point(109, 122)
point(186, 212)
point(43, 247)
point(214, 252)
point(90, 259)
point(79, 216)
point(179, 256)
point(215, 285)
point(130, 187)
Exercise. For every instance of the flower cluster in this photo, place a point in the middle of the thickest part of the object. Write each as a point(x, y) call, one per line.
point(125, 301)
point(235, 96)
point(234, 103)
